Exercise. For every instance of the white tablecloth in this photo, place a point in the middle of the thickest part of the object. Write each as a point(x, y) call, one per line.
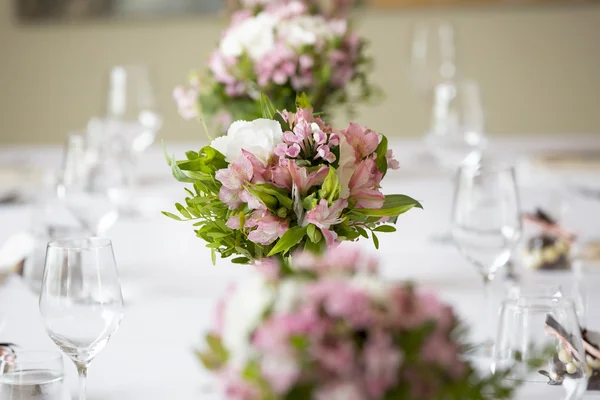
point(171, 287)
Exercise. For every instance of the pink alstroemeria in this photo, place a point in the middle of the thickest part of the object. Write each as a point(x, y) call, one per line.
point(259, 171)
point(391, 161)
point(325, 154)
point(280, 175)
point(364, 185)
point(233, 178)
point(363, 140)
point(187, 102)
point(268, 227)
point(382, 360)
point(323, 217)
point(305, 180)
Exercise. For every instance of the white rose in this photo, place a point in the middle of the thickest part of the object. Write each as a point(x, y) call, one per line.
point(253, 35)
point(304, 30)
point(346, 166)
point(258, 137)
point(243, 313)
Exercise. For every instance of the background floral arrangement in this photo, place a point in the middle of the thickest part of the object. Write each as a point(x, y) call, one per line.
point(279, 48)
point(285, 181)
point(327, 328)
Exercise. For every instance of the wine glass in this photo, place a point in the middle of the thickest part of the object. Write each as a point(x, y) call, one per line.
point(132, 116)
point(81, 302)
point(32, 374)
point(433, 55)
point(539, 341)
point(91, 184)
point(486, 223)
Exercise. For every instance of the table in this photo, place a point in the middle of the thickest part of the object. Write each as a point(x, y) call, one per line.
point(171, 288)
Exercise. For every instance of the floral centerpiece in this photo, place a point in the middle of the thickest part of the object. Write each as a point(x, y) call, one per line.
point(287, 181)
point(279, 48)
point(327, 328)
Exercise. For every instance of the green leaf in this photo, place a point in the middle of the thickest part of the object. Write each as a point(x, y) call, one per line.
point(266, 106)
point(191, 155)
point(310, 202)
point(288, 240)
point(216, 347)
point(375, 240)
point(393, 205)
point(381, 150)
point(269, 201)
point(240, 260)
point(213, 256)
point(171, 215)
point(302, 101)
point(183, 211)
point(281, 194)
point(313, 233)
point(385, 228)
point(361, 232)
point(331, 187)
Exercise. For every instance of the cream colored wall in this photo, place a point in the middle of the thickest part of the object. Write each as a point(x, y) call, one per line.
point(539, 68)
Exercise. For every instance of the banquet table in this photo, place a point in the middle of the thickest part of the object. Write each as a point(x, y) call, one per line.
point(171, 288)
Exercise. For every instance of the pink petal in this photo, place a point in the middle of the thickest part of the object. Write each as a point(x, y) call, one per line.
point(293, 151)
point(230, 197)
point(369, 198)
point(330, 236)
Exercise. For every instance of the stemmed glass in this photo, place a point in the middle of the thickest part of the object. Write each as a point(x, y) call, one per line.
point(486, 223)
point(132, 115)
point(91, 183)
point(81, 302)
point(539, 341)
point(432, 55)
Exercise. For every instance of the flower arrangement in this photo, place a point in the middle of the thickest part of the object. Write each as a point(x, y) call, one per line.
point(327, 328)
point(279, 48)
point(327, 8)
point(287, 181)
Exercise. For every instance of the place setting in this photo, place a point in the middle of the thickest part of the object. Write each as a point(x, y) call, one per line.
point(266, 228)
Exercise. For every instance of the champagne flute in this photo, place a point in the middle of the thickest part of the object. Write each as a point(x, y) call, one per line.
point(81, 302)
point(486, 224)
point(539, 341)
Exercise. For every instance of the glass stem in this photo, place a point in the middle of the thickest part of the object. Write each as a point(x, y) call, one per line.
point(488, 310)
point(82, 371)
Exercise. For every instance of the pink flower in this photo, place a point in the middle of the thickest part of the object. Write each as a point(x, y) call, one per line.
point(186, 99)
point(259, 171)
point(269, 268)
point(340, 300)
point(281, 372)
point(320, 137)
point(280, 176)
point(382, 360)
point(303, 179)
point(338, 358)
point(323, 217)
point(391, 161)
point(274, 335)
point(325, 154)
point(233, 222)
point(363, 140)
point(364, 185)
point(233, 178)
point(268, 227)
point(219, 65)
point(236, 388)
point(293, 151)
point(441, 351)
point(344, 390)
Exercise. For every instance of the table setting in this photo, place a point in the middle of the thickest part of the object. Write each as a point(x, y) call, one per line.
point(287, 255)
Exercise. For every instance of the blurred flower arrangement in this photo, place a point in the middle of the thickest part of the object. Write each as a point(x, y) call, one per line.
point(287, 181)
point(279, 48)
point(328, 328)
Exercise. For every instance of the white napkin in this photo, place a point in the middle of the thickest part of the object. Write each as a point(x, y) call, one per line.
point(14, 250)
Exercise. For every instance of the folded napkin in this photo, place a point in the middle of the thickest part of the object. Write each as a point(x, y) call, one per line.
point(13, 252)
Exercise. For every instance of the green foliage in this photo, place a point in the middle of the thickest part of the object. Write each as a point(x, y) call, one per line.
point(289, 240)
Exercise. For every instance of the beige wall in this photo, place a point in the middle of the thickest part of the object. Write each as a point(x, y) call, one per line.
point(539, 68)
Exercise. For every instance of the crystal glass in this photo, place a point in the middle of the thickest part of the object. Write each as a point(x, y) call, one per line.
point(81, 302)
point(432, 57)
point(456, 134)
point(32, 375)
point(91, 184)
point(486, 223)
point(132, 116)
point(540, 341)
